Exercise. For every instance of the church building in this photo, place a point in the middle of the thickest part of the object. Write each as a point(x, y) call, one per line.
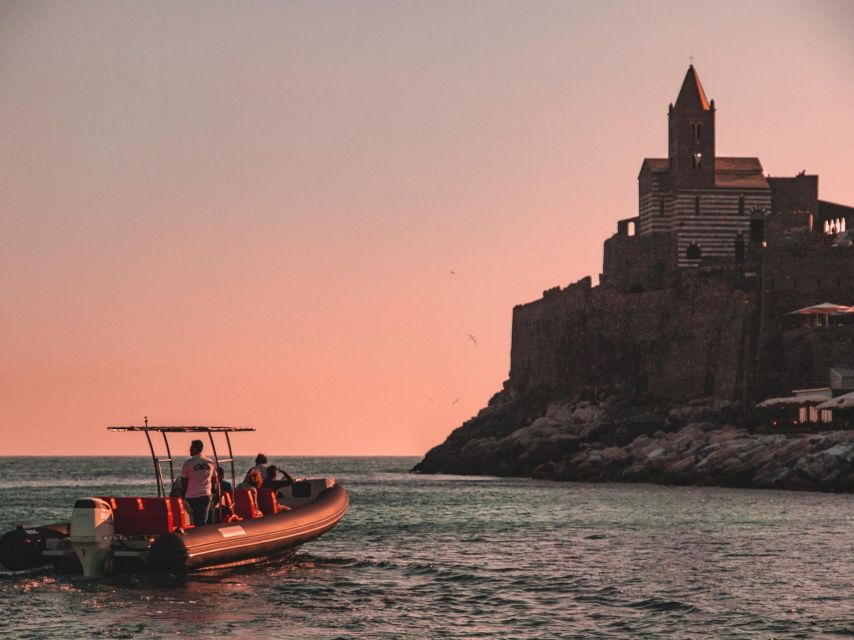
point(706, 201)
point(697, 209)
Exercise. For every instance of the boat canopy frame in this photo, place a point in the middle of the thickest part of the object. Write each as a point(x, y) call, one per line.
point(163, 430)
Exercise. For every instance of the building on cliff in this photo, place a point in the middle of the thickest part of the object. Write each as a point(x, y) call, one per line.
point(695, 207)
point(695, 289)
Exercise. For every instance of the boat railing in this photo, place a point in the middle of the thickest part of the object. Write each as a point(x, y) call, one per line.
point(159, 461)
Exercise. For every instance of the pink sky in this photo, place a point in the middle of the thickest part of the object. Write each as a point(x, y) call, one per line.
point(247, 213)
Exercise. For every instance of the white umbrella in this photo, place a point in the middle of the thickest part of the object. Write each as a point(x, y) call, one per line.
point(823, 308)
point(792, 401)
point(841, 402)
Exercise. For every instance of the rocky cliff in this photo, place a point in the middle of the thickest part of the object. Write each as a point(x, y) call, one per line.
point(603, 439)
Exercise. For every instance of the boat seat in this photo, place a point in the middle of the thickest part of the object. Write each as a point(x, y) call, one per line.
point(180, 514)
point(147, 516)
point(268, 502)
point(246, 505)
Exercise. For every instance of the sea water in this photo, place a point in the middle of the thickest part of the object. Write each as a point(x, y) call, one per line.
point(464, 557)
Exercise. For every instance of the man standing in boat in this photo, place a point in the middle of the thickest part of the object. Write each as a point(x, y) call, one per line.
point(196, 478)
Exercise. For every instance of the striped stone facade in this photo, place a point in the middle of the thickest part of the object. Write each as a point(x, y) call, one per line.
point(713, 220)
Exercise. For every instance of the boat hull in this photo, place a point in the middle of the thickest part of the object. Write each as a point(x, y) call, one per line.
point(248, 540)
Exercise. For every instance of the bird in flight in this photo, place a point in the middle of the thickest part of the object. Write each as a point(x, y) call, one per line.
point(472, 338)
point(453, 273)
point(455, 402)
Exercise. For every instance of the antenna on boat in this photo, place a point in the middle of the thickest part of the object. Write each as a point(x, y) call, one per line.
point(146, 421)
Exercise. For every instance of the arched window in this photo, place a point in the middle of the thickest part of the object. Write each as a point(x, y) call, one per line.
point(757, 226)
point(698, 160)
point(698, 134)
point(693, 252)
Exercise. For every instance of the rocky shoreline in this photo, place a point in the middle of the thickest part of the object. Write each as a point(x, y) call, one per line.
point(600, 439)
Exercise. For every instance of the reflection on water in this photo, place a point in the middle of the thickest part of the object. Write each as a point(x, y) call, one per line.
point(454, 557)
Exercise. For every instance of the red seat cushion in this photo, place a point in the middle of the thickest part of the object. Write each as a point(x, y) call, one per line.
point(146, 516)
point(180, 515)
point(267, 501)
point(245, 504)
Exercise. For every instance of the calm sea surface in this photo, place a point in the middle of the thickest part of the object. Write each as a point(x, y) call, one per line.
point(464, 557)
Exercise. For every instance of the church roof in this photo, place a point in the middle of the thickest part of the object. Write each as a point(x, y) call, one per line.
point(691, 94)
point(657, 165)
point(740, 173)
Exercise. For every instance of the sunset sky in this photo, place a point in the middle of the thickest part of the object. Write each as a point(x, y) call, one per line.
point(248, 213)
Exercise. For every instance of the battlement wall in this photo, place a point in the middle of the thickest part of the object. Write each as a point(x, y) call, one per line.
point(670, 344)
point(639, 263)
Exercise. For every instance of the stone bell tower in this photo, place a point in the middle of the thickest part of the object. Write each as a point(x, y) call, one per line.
point(691, 136)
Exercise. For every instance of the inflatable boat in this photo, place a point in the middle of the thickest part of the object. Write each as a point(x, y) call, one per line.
point(115, 534)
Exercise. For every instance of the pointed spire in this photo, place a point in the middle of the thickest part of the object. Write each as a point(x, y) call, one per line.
point(691, 94)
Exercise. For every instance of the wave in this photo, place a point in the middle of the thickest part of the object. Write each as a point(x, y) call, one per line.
point(660, 604)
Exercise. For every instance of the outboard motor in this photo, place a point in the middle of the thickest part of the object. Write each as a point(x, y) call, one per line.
point(92, 535)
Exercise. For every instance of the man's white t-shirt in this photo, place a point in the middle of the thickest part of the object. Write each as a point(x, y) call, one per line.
point(198, 471)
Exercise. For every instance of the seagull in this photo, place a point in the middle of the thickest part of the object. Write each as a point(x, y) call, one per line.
point(472, 338)
point(455, 402)
point(453, 273)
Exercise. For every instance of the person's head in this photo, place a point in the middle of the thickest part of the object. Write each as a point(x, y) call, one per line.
point(220, 472)
point(196, 447)
point(271, 472)
point(254, 478)
point(260, 459)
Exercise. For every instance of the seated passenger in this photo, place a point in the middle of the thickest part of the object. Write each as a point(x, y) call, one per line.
point(225, 485)
point(252, 481)
point(270, 482)
point(261, 465)
point(223, 496)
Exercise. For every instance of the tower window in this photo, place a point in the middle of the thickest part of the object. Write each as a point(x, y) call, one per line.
point(741, 205)
point(696, 205)
point(698, 160)
point(696, 131)
point(661, 207)
point(739, 248)
point(693, 252)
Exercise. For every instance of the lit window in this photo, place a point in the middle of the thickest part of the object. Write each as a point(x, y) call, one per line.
point(698, 160)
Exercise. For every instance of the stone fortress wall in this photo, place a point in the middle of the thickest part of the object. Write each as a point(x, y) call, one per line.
point(667, 333)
